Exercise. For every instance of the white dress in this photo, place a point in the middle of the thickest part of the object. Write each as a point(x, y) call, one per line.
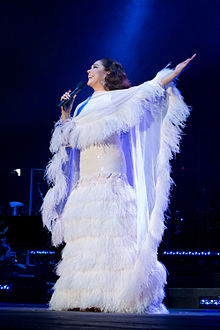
point(103, 265)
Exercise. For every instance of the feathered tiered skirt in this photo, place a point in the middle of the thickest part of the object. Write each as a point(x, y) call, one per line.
point(101, 266)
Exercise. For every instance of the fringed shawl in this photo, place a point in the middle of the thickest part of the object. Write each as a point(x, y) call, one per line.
point(149, 120)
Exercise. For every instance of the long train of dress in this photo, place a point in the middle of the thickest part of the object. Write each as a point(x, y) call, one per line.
point(101, 265)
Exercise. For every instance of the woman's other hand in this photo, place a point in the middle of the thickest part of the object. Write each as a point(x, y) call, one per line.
point(177, 71)
point(183, 65)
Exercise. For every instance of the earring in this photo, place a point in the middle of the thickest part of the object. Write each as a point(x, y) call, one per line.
point(103, 82)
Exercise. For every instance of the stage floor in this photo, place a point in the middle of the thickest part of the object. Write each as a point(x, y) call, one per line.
point(39, 317)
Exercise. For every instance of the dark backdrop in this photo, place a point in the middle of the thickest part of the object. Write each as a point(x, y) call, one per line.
point(47, 47)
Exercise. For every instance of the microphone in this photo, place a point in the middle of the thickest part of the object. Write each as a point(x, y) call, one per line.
point(78, 88)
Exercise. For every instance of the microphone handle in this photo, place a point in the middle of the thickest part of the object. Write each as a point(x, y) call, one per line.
point(74, 92)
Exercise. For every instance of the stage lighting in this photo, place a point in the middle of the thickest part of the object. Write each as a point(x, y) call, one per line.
point(4, 287)
point(209, 302)
point(16, 171)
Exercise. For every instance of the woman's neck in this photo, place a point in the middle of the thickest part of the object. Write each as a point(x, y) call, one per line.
point(99, 88)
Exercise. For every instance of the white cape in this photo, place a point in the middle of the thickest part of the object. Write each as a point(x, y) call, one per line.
point(149, 120)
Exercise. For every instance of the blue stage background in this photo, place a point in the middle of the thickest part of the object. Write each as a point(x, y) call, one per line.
point(47, 47)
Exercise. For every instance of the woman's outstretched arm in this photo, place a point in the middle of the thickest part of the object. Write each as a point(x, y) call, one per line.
point(177, 71)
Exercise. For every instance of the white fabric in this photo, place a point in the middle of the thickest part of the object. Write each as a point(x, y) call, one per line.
point(100, 264)
point(103, 159)
point(109, 194)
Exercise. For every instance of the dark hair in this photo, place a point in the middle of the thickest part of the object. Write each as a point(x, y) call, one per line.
point(117, 78)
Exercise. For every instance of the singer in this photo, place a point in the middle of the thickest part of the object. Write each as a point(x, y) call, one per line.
point(110, 182)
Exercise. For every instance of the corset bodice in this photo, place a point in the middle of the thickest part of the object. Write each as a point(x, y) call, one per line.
point(105, 158)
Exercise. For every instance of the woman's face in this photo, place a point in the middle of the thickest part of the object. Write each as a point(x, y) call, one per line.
point(96, 75)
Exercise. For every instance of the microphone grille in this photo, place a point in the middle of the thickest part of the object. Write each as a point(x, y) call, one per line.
point(81, 84)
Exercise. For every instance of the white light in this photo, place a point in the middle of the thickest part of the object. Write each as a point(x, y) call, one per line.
point(18, 171)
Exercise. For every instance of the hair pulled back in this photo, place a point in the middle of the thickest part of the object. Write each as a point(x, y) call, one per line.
point(116, 78)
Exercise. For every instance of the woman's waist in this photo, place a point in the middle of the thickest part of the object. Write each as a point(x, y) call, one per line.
point(106, 158)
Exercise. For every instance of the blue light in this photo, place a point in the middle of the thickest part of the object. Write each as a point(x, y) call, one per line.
point(130, 17)
point(191, 253)
point(42, 252)
point(4, 287)
point(210, 301)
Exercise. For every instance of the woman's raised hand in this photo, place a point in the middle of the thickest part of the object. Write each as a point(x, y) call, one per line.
point(67, 107)
point(177, 71)
point(183, 65)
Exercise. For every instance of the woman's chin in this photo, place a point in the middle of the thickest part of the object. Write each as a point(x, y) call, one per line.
point(90, 83)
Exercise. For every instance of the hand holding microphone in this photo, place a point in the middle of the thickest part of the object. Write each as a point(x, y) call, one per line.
point(67, 106)
point(68, 98)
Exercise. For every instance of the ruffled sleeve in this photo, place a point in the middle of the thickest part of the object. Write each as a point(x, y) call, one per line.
point(59, 177)
point(114, 112)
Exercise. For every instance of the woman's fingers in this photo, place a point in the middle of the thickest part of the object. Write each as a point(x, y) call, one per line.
point(68, 106)
point(65, 96)
point(190, 59)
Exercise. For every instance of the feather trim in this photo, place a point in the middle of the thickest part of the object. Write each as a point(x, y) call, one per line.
point(170, 138)
point(56, 194)
point(129, 115)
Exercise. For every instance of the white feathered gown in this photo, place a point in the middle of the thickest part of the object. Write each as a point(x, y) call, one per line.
point(110, 257)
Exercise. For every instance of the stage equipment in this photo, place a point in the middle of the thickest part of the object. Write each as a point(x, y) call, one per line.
point(25, 185)
point(39, 257)
point(193, 275)
point(33, 170)
point(190, 253)
point(15, 206)
point(26, 232)
point(210, 302)
point(4, 287)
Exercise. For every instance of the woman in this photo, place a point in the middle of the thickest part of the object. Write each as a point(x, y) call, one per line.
point(110, 178)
